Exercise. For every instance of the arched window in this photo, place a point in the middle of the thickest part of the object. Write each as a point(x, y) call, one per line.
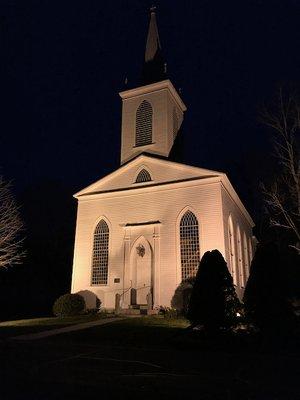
point(175, 123)
point(143, 126)
point(246, 257)
point(143, 176)
point(100, 254)
point(240, 257)
point(250, 249)
point(232, 261)
point(189, 245)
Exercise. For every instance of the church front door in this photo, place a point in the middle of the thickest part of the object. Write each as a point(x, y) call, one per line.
point(141, 270)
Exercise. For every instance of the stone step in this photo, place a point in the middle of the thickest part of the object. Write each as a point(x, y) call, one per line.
point(138, 307)
point(130, 311)
point(135, 311)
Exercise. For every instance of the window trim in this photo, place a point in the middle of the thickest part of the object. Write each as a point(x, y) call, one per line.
point(145, 101)
point(232, 256)
point(92, 251)
point(178, 241)
point(138, 174)
point(240, 257)
point(138, 170)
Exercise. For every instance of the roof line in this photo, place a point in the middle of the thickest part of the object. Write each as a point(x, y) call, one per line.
point(143, 223)
point(149, 185)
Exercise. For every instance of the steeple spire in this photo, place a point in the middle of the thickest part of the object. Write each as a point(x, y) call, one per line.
point(154, 69)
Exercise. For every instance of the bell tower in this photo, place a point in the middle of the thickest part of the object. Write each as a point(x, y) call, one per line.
point(151, 113)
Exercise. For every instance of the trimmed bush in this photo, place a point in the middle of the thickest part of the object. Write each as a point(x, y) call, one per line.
point(181, 298)
point(168, 312)
point(69, 305)
point(213, 303)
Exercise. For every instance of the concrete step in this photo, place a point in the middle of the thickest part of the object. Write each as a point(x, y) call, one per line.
point(130, 311)
point(138, 307)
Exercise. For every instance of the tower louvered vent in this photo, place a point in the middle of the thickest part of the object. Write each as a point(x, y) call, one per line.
point(175, 123)
point(143, 176)
point(143, 130)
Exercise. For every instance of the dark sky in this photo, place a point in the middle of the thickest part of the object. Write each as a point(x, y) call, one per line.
point(64, 62)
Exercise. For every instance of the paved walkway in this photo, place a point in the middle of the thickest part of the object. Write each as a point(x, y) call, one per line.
point(66, 329)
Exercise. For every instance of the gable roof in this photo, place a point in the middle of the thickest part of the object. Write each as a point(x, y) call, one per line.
point(162, 172)
point(160, 168)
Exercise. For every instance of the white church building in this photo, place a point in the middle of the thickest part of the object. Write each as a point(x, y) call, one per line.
point(142, 229)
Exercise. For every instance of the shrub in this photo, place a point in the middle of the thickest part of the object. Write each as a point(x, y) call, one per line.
point(92, 311)
point(214, 303)
point(68, 305)
point(168, 312)
point(98, 303)
point(181, 298)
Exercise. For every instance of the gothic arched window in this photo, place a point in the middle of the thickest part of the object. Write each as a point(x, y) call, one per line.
point(250, 250)
point(240, 258)
point(100, 254)
point(143, 176)
point(189, 245)
point(232, 261)
point(143, 126)
point(246, 257)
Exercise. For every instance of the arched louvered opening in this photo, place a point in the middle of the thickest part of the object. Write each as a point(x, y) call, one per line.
point(246, 257)
point(189, 245)
point(143, 127)
point(175, 123)
point(100, 254)
point(143, 176)
point(232, 261)
point(250, 250)
point(240, 258)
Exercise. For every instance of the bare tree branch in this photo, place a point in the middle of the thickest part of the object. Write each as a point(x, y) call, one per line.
point(282, 199)
point(11, 243)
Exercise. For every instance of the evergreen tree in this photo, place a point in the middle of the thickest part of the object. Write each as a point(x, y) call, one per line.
point(266, 298)
point(214, 303)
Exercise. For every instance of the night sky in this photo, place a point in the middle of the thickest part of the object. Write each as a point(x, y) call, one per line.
point(63, 64)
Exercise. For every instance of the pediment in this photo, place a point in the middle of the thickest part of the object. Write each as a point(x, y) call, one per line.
point(160, 171)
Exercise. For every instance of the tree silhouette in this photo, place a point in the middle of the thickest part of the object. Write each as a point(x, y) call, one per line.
point(282, 198)
point(268, 294)
point(11, 225)
point(214, 303)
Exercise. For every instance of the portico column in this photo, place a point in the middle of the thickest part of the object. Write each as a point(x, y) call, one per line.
point(156, 249)
point(126, 269)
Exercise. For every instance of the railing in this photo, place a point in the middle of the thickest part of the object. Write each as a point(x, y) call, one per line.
point(125, 291)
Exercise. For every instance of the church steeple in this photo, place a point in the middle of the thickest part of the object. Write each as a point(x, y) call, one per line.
point(153, 112)
point(154, 69)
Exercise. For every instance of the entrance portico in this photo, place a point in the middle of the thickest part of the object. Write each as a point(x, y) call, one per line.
point(141, 264)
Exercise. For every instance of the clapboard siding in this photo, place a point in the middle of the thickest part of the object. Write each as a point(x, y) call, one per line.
point(230, 208)
point(163, 205)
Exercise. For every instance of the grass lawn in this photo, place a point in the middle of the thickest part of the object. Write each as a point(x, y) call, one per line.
point(23, 326)
point(138, 332)
point(143, 357)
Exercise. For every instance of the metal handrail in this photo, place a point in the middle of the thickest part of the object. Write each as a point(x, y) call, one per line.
point(125, 291)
